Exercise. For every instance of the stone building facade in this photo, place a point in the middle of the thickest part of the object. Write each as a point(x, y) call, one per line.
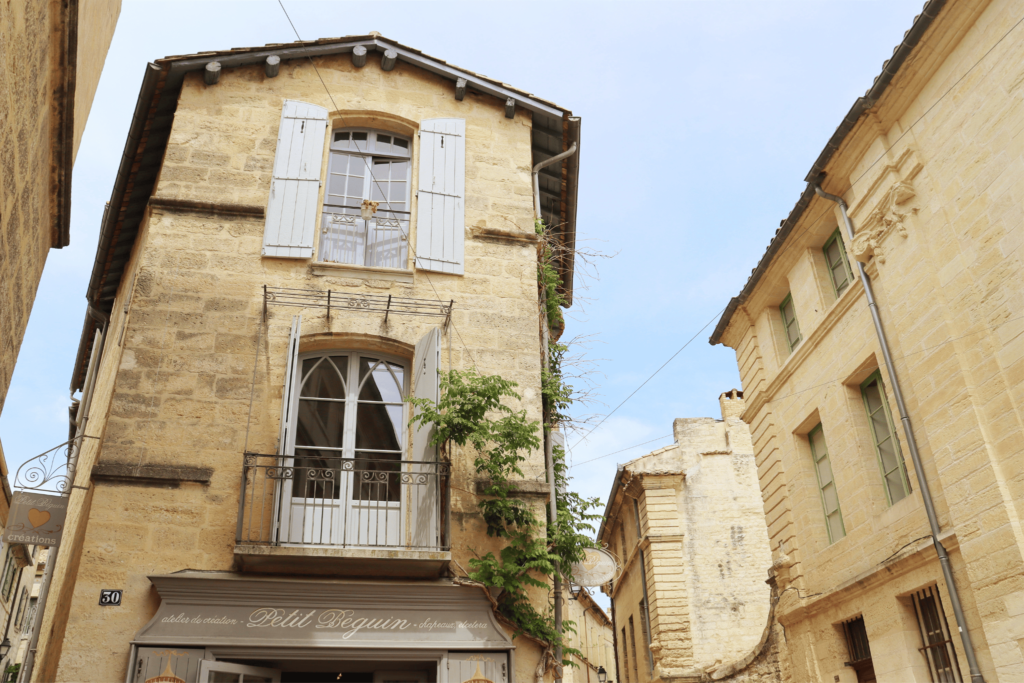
point(687, 525)
point(593, 637)
point(930, 164)
point(256, 324)
point(51, 56)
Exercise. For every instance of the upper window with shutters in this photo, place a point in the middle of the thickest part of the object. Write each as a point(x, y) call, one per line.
point(366, 216)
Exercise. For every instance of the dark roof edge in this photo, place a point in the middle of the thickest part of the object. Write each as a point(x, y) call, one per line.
point(889, 69)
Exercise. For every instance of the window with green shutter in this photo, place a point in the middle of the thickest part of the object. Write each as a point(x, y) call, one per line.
point(838, 263)
point(826, 485)
point(789, 322)
point(887, 446)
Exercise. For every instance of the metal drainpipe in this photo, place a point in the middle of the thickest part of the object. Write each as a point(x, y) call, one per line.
point(25, 674)
point(929, 505)
point(548, 447)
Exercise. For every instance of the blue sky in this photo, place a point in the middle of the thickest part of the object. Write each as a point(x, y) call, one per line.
point(699, 122)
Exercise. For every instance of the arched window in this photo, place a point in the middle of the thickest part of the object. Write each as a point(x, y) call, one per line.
point(369, 165)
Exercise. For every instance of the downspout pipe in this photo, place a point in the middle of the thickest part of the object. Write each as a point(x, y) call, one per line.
point(908, 430)
point(536, 176)
point(549, 455)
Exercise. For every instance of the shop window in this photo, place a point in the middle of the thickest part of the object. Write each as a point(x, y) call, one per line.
point(887, 446)
point(937, 642)
point(838, 264)
point(789, 323)
point(367, 165)
point(826, 485)
point(859, 650)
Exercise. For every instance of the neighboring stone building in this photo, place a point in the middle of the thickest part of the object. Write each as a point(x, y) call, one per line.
point(687, 525)
point(257, 325)
point(930, 162)
point(51, 55)
point(593, 638)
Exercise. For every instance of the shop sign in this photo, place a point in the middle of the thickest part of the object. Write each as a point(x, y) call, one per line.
point(597, 568)
point(35, 519)
point(206, 610)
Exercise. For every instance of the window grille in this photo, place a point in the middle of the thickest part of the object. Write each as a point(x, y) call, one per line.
point(887, 446)
point(790, 323)
point(859, 649)
point(938, 649)
point(838, 263)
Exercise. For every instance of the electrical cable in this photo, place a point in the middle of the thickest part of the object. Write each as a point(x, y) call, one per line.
point(628, 448)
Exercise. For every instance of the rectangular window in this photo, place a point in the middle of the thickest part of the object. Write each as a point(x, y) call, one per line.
point(625, 655)
point(646, 632)
point(826, 485)
point(622, 541)
point(838, 264)
point(632, 642)
point(887, 447)
point(860, 651)
point(789, 322)
point(636, 513)
point(359, 172)
point(938, 647)
point(22, 605)
point(8, 574)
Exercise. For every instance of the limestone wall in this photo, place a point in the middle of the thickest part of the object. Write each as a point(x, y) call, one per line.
point(31, 74)
point(177, 379)
point(933, 182)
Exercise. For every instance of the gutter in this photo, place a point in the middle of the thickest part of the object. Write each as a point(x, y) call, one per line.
point(863, 104)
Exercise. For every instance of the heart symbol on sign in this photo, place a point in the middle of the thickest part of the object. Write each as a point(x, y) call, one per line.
point(37, 518)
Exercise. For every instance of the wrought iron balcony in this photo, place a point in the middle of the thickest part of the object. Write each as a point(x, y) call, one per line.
point(343, 504)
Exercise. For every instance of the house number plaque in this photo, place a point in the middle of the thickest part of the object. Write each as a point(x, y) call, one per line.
point(110, 597)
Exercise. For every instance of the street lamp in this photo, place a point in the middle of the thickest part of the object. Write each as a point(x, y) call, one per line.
point(602, 675)
point(5, 647)
point(575, 591)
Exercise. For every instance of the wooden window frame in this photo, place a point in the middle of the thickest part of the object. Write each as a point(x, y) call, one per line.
point(790, 343)
point(876, 376)
point(837, 237)
point(815, 459)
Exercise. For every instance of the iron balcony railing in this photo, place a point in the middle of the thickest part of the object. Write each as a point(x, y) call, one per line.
point(344, 503)
point(382, 241)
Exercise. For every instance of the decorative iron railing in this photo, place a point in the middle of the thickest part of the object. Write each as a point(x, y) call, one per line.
point(382, 241)
point(344, 502)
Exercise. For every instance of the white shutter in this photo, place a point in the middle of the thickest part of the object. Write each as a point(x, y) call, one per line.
point(295, 187)
point(423, 499)
point(465, 666)
point(286, 440)
point(181, 662)
point(441, 217)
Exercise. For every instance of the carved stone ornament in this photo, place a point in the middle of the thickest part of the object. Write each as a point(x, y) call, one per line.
point(886, 218)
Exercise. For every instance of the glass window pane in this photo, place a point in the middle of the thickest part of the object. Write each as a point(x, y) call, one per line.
point(224, 677)
point(818, 443)
point(824, 472)
point(323, 377)
point(359, 137)
point(831, 498)
point(384, 383)
point(887, 452)
point(399, 142)
point(320, 423)
point(315, 474)
point(894, 482)
point(379, 427)
point(835, 526)
point(794, 334)
point(871, 395)
point(834, 258)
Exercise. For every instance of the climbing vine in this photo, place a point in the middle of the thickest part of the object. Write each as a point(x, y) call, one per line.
point(474, 410)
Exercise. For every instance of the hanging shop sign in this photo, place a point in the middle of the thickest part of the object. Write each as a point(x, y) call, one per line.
point(35, 519)
point(597, 568)
point(240, 609)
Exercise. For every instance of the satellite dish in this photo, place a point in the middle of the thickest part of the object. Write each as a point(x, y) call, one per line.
point(597, 568)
